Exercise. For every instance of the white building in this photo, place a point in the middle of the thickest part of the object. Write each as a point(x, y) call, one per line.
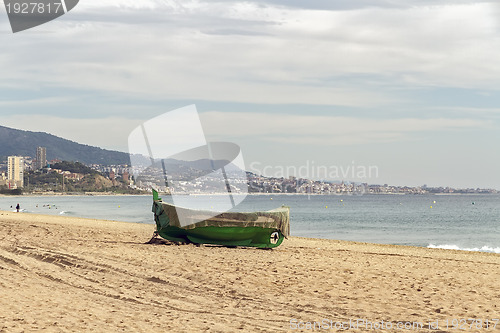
point(15, 172)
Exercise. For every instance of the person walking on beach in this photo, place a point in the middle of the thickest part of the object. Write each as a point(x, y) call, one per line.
point(18, 207)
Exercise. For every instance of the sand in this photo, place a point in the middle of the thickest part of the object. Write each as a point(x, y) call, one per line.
point(60, 274)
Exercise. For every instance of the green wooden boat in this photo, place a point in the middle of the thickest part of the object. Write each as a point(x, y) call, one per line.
point(255, 229)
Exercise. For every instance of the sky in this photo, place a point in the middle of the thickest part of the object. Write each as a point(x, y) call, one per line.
point(408, 87)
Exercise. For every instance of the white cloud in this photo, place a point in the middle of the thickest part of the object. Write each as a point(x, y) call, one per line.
point(244, 52)
point(113, 132)
point(327, 130)
point(476, 111)
point(45, 101)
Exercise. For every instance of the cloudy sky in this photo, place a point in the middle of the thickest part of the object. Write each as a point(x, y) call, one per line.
point(409, 86)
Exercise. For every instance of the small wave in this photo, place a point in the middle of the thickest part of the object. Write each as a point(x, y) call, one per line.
point(485, 248)
point(20, 211)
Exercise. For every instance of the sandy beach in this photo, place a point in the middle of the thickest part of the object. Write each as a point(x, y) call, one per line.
point(60, 274)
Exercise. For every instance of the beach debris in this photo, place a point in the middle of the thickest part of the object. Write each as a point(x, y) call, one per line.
point(160, 241)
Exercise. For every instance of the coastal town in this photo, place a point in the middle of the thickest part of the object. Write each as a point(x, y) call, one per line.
point(25, 174)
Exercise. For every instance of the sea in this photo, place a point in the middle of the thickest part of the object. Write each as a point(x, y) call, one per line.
point(461, 222)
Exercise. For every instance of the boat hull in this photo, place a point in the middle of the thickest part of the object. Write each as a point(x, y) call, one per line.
point(227, 236)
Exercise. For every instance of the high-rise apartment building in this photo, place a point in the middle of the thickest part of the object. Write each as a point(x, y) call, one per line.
point(15, 171)
point(41, 157)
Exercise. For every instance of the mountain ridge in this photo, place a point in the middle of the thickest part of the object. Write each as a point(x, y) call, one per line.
point(24, 143)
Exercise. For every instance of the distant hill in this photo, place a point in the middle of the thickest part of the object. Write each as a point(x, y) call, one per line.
point(24, 143)
point(203, 164)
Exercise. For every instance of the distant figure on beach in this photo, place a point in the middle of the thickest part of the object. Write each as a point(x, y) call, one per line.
point(18, 207)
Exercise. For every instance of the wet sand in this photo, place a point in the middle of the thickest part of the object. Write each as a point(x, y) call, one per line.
point(63, 274)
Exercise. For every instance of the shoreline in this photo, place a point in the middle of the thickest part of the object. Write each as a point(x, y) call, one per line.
point(97, 194)
point(152, 223)
point(72, 194)
point(81, 221)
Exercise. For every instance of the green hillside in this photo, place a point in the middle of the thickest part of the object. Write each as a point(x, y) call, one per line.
point(24, 143)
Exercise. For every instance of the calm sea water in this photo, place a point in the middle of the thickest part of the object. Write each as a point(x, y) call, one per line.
point(466, 222)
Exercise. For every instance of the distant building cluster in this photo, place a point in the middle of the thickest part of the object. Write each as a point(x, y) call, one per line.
point(191, 181)
point(262, 184)
point(13, 174)
point(16, 165)
point(114, 172)
point(14, 178)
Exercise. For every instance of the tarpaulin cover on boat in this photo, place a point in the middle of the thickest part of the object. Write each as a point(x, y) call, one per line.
point(170, 215)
